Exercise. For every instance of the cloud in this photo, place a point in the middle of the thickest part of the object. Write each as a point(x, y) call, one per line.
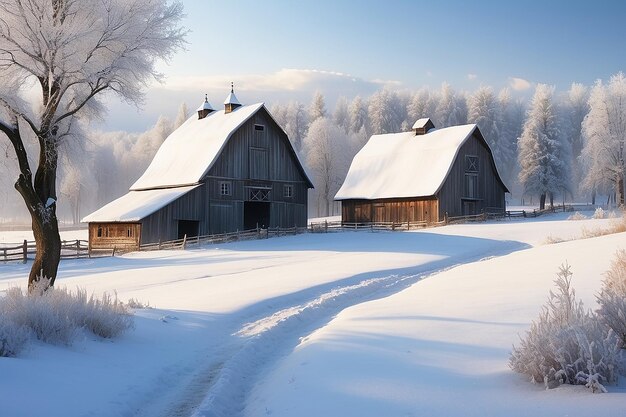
point(287, 79)
point(472, 77)
point(519, 84)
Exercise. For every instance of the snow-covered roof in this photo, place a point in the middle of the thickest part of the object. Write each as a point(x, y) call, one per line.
point(400, 165)
point(231, 99)
point(420, 123)
point(190, 151)
point(136, 205)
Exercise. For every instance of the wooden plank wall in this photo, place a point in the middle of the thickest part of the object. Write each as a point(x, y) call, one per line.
point(114, 235)
point(490, 190)
point(390, 210)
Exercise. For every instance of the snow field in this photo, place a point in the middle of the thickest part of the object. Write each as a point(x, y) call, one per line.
point(233, 331)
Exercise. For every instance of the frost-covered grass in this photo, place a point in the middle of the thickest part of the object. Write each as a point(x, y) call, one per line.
point(57, 316)
point(612, 297)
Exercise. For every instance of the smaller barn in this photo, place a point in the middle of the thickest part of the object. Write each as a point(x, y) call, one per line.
point(422, 176)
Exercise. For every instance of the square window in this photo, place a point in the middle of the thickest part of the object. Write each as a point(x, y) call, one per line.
point(225, 188)
point(288, 191)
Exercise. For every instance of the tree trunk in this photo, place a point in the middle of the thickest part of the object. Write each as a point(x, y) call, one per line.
point(551, 200)
point(48, 241)
point(542, 201)
point(593, 197)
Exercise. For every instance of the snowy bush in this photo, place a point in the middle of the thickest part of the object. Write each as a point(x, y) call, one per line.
point(57, 315)
point(13, 338)
point(612, 297)
point(577, 216)
point(599, 213)
point(567, 344)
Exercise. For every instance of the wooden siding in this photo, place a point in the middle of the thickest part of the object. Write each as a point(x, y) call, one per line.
point(454, 197)
point(114, 235)
point(389, 210)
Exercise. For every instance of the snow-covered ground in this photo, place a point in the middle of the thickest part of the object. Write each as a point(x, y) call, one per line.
point(338, 324)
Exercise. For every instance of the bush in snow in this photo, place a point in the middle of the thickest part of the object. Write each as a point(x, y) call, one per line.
point(577, 216)
point(55, 315)
point(599, 213)
point(568, 344)
point(13, 338)
point(612, 297)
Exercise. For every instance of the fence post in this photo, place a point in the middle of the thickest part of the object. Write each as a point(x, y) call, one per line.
point(24, 252)
point(77, 248)
point(184, 240)
point(445, 218)
point(325, 226)
point(159, 244)
point(4, 251)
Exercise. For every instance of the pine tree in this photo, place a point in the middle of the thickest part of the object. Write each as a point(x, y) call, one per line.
point(604, 133)
point(543, 155)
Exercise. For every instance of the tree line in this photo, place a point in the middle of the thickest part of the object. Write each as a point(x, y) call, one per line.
point(567, 145)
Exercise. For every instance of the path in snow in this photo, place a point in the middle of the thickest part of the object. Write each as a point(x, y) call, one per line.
point(224, 375)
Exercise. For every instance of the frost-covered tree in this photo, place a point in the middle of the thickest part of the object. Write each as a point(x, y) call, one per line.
point(604, 133)
point(451, 110)
point(317, 108)
point(543, 155)
point(181, 116)
point(70, 52)
point(511, 121)
point(358, 115)
point(418, 106)
point(341, 116)
point(575, 108)
point(385, 112)
point(327, 156)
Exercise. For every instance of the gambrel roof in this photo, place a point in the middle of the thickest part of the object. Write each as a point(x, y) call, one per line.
point(184, 158)
point(403, 165)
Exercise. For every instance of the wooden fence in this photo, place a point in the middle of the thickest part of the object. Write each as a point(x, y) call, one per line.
point(70, 249)
point(80, 248)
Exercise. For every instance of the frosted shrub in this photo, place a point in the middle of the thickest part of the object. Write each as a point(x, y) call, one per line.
point(577, 216)
point(567, 344)
point(13, 338)
point(599, 213)
point(56, 315)
point(612, 297)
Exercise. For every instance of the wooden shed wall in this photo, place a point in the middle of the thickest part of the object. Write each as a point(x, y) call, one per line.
point(114, 235)
point(390, 210)
point(490, 192)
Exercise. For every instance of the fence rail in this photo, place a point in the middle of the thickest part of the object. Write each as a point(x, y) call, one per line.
point(73, 249)
point(70, 249)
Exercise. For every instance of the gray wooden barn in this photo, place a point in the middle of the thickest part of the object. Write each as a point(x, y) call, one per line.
point(221, 171)
point(422, 176)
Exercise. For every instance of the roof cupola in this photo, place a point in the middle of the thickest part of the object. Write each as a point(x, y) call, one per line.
point(231, 102)
point(205, 108)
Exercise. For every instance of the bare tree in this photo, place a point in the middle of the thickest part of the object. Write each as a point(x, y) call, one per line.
point(70, 52)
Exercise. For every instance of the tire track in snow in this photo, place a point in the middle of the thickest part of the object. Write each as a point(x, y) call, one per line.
point(272, 336)
point(220, 386)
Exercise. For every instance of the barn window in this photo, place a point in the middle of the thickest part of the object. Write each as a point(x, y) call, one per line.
point(129, 232)
point(225, 188)
point(288, 191)
point(259, 128)
point(471, 163)
point(99, 231)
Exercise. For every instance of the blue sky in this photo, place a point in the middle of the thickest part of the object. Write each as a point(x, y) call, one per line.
point(280, 50)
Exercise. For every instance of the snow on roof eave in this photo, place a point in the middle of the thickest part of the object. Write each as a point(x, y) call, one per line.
point(125, 209)
point(165, 187)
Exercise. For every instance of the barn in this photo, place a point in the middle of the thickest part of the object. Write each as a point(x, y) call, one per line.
point(422, 175)
point(220, 171)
